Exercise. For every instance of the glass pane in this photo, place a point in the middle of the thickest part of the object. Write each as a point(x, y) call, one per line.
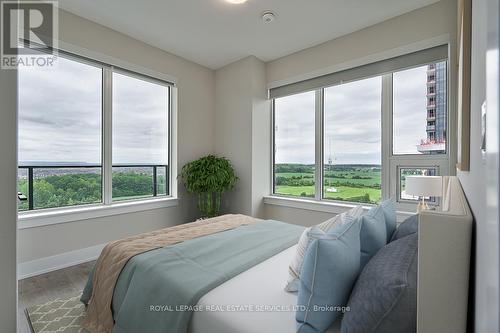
point(60, 113)
point(22, 187)
point(61, 187)
point(140, 136)
point(161, 180)
point(294, 145)
point(352, 142)
point(132, 182)
point(404, 172)
point(420, 110)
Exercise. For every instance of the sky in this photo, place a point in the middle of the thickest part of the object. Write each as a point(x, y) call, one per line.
point(410, 109)
point(352, 120)
point(60, 112)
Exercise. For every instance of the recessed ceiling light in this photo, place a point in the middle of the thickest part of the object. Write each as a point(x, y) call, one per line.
point(236, 2)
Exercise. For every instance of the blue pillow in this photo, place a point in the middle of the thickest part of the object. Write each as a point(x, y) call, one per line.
point(373, 233)
point(330, 268)
point(389, 208)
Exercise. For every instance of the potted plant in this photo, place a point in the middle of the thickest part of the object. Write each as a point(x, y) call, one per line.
point(208, 177)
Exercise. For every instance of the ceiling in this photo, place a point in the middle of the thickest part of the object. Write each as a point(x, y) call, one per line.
point(215, 33)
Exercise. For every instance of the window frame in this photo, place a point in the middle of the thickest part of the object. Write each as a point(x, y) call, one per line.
point(109, 152)
point(442, 162)
point(108, 207)
point(390, 162)
point(98, 65)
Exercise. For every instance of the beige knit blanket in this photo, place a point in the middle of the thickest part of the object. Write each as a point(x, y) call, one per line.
point(115, 255)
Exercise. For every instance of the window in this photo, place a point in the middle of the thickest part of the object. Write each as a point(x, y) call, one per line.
point(419, 123)
point(352, 148)
point(413, 171)
point(294, 159)
point(355, 135)
point(140, 138)
point(60, 112)
point(64, 122)
point(416, 127)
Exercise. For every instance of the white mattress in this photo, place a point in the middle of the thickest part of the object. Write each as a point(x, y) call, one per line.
point(260, 286)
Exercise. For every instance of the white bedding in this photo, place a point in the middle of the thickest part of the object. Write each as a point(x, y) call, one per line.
point(260, 286)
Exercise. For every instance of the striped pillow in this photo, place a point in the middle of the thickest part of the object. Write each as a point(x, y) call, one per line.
point(292, 283)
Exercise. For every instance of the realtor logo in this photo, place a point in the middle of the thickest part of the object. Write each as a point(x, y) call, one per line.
point(29, 33)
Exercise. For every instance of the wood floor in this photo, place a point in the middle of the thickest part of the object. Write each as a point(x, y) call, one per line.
point(43, 288)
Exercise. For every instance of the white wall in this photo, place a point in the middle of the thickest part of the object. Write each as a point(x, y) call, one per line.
point(233, 129)
point(242, 132)
point(409, 32)
point(261, 137)
point(414, 27)
point(230, 118)
point(195, 138)
point(295, 215)
point(475, 182)
point(8, 205)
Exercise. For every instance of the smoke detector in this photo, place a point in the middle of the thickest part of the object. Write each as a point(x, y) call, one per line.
point(268, 17)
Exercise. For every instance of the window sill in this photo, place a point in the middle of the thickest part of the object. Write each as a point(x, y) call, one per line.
point(323, 206)
point(73, 214)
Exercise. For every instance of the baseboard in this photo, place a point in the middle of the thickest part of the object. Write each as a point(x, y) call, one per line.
point(59, 261)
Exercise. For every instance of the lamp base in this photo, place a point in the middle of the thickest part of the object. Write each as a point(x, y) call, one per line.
point(422, 205)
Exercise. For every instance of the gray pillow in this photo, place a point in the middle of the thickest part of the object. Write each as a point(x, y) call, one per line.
point(408, 227)
point(384, 298)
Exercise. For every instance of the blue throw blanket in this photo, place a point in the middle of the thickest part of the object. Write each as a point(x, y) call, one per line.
point(156, 289)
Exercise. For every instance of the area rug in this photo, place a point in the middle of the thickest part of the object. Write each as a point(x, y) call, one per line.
point(60, 315)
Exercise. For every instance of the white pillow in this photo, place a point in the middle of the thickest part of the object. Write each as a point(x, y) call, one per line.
point(292, 283)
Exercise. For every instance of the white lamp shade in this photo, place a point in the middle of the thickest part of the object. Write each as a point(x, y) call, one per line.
point(425, 186)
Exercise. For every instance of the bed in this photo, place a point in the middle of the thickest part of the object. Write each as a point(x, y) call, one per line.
point(261, 284)
point(240, 301)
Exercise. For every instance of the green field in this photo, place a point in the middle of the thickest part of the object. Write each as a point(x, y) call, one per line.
point(354, 183)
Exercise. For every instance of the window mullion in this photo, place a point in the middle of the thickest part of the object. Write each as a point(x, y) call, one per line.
point(318, 173)
point(387, 133)
point(273, 148)
point(107, 134)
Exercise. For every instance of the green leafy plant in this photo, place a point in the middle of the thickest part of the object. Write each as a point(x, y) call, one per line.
point(209, 177)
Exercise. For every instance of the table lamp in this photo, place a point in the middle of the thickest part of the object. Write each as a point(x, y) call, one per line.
point(424, 186)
